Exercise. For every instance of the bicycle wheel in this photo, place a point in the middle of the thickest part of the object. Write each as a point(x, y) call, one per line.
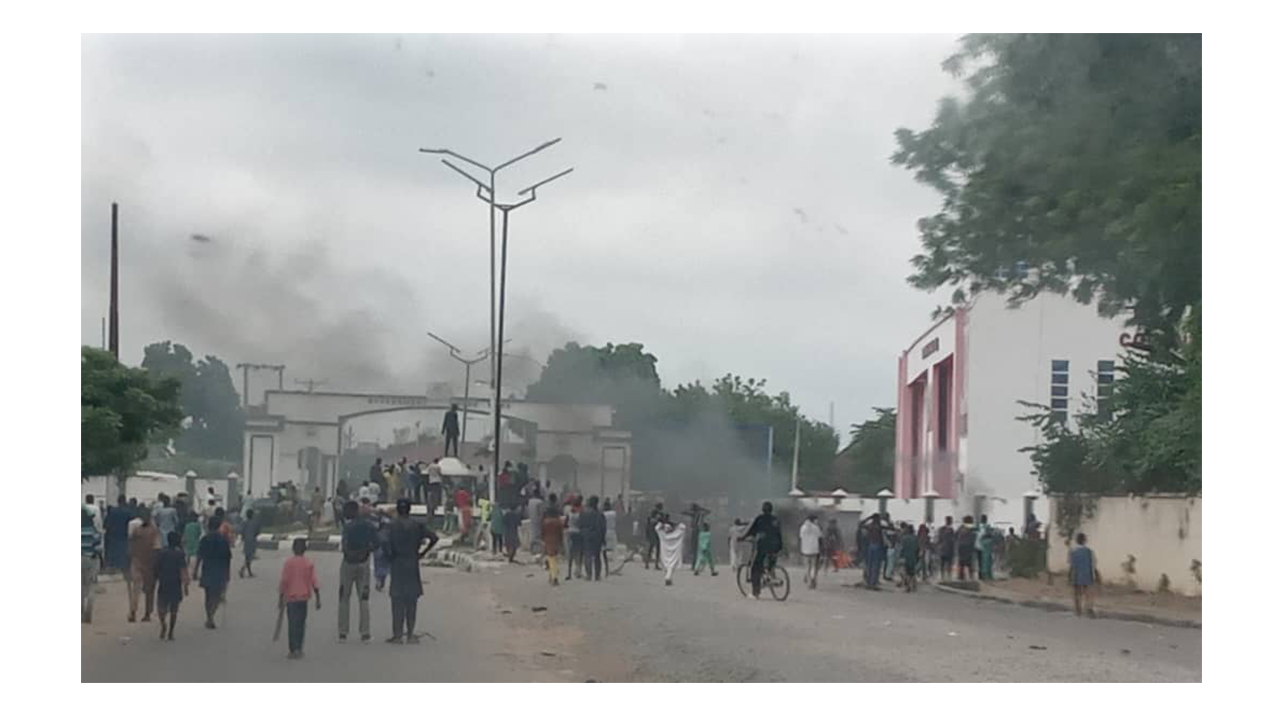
point(744, 580)
point(780, 584)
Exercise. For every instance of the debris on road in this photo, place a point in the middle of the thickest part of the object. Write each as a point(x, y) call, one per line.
point(548, 654)
point(539, 608)
point(1037, 647)
point(953, 633)
point(1125, 651)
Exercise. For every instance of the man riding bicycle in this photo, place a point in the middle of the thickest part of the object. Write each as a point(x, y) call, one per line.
point(767, 532)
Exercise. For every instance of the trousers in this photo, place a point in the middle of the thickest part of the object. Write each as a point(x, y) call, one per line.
point(705, 557)
point(758, 564)
point(404, 616)
point(553, 568)
point(353, 577)
point(871, 566)
point(142, 582)
point(451, 441)
point(212, 598)
point(593, 560)
point(296, 612)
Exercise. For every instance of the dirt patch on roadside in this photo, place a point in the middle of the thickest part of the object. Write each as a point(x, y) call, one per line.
point(1114, 597)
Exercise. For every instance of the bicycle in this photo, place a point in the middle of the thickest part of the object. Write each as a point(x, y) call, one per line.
point(775, 578)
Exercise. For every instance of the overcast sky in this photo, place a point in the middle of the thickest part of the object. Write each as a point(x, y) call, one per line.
point(733, 206)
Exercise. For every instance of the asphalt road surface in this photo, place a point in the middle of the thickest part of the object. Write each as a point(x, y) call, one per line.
point(632, 627)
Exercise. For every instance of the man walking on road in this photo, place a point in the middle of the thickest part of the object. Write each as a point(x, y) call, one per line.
point(592, 526)
point(947, 548)
point(651, 535)
point(450, 431)
point(214, 557)
point(810, 542)
point(406, 537)
point(359, 539)
point(143, 545)
point(875, 549)
point(249, 542)
point(672, 545)
point(166, 518)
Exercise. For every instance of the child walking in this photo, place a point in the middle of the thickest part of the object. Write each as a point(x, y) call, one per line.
point(1084, 573)
point(705, 556)
point(172, 583)
point(297, 582)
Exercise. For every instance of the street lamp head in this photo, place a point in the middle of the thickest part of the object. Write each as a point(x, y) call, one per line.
point(547, 144)
point(540, 183)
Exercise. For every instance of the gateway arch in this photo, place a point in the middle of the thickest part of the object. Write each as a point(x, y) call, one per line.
point(297, 435)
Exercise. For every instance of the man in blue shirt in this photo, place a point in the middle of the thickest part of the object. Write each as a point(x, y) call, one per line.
point(359, 540)
point(1083, 574)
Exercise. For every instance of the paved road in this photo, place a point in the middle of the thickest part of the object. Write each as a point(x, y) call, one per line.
point(632, 627)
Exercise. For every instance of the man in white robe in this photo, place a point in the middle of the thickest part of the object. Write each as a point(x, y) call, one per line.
point(670, 546)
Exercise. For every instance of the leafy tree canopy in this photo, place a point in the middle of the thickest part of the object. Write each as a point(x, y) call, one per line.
point(695, 415)
point(209, 399)
point(122, 409)
point(1076, 155)
point(868, 464)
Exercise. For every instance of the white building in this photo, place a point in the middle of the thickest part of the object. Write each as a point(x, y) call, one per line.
point(959, 387)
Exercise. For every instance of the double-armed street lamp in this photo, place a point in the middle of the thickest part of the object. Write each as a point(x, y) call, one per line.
point(487, 193)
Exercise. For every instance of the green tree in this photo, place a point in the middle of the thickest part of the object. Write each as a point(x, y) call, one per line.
point(209, 399)
point(624, 376)
point(871, 454)
point(1078, 155)
point(689, 438)
point(122, 410)
point(1073, 166)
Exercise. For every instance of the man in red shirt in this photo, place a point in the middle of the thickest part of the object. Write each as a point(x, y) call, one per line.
point(297, 581)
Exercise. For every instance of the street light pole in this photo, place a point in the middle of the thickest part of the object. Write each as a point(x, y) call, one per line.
point(495, 340)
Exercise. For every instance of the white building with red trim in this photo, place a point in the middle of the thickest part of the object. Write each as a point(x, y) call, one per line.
point(959, 385)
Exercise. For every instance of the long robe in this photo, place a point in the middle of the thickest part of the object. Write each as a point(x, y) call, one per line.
point(671, 546)
point(116, 540)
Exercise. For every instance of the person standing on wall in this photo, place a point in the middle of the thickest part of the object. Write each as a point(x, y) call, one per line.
point(450, 430)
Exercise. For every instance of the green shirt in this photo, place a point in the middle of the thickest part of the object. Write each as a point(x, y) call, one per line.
point(704, 541)
point(191, 538)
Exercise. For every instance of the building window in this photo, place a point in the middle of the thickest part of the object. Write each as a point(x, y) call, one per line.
point(1059, 390)
point(1106, 387)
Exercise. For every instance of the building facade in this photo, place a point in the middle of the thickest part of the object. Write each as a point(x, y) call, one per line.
point(960, 389)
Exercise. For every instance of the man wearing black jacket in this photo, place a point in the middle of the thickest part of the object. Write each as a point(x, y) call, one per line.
point(767, 532)
point(592, 525)
point(450, 430)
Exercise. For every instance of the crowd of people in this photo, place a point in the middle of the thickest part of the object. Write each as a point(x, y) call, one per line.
point(161, 548)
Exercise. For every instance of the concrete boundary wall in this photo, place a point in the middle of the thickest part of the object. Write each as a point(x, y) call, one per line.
point(1139, 541)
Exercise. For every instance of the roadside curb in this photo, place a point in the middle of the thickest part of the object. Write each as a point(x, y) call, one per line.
point(1060, 607)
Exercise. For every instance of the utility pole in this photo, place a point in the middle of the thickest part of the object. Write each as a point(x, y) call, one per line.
point(310, 383)
point(104, 333)
point(495, 340)
point(113, 340)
